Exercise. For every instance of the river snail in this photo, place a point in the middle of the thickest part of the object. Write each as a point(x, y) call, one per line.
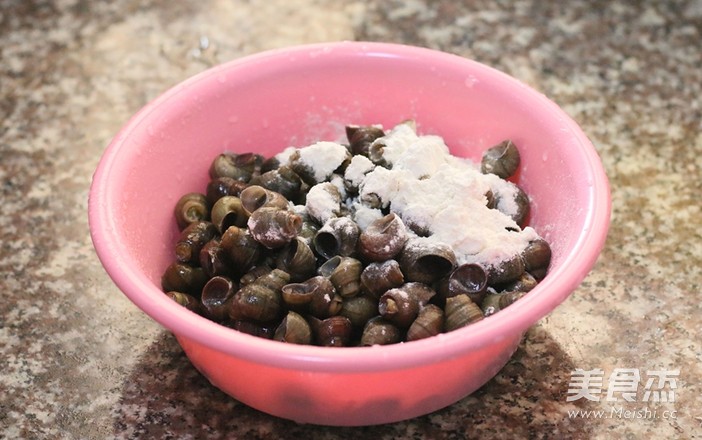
point(241, 248)
point(424, 261)
point(191, 241)
point(377, 277)
point(293, 329)
point(255, 197)
point(216, 295)
point(297, 259)
point(344, 273)
point(191, 208)
point(383, 239)
point(259, 301)
point(460, 312)
point(429, 322)
point(401, 305)
point(282, 180)
point(338, 236)
point(379, 331)
point(228, 211)
point(274, 227)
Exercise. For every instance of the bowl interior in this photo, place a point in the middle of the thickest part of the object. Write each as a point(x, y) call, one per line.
point(294, 97)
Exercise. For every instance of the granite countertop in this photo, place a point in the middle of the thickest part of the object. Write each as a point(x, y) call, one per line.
point(78, 360)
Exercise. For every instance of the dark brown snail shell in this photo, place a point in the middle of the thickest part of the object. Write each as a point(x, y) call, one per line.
point(282, 180)
point(215, 296)
point(236, 166)
point(425, 261)
point(495, 302)
point(338, 236)
point(502, 160)
point(315, 296)
point(191, 241)
point(241, 248)
point(188, 301)
point(379, 331)
point(297, 259)
point(460, 312)
point(257, 329)
point(505, 271)
point(429, 322)
point(359, 309)
point(536, 255)
point(334, 331)
point(183, 278)
point(255, 197)
point(361, 136)
point(228, 211)
point(213, 258)
point(261, 300)
point(223, 186)
point(255, 272)
point(383, 238)
point(401, 305)
point(467, 279)
point(520, 198)
point(274, 227)
point(344, 273)
point(377, 277)
point(191, 208)
point(294, 329)
point(524, 283)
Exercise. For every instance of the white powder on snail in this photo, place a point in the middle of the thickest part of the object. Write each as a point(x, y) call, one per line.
point(321, 204)
point(429, 189)
point(323, 158)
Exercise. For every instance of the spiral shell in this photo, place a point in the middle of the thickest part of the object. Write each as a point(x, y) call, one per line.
point(524, 283)
point(191, 241)
point(536, 255)
point(460, 312)
point(359, 309)
point(315, 296)
point(501, 160)
point(191, 208)
point(259, 301)
point(213, 259)
point(334, 331)
point(467, 279)
point(264, 331)
point(401, 304)
point(505, 271)
point(274, 227)
point(425, 261)
point(223, 186)
point(215, 296)
point(241, 248)
point(255, 272)
point(360, 137)
point(297, 259)
point(518, 198)
point(429, 322)
point(379, 331)
point(495, 302)
point(344, 273)
point(236, 166)
point(282, 180)
point(377, 277)
point(293, 329)
point(183, 278)
point(255, 197)
point(338, 236)
point(188, 301)
point(229, 211)
point(383, 239)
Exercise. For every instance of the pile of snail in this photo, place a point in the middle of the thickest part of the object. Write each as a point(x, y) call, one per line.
point(245, 258)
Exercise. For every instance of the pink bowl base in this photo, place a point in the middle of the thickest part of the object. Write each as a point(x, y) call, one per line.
point(343, 399)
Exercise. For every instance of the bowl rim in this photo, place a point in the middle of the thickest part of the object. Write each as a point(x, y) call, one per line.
point(513, 322)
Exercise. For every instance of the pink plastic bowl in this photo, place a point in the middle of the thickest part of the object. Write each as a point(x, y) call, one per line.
point(298, 95)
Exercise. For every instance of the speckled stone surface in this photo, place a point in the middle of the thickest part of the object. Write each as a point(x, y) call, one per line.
point(78, 360)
